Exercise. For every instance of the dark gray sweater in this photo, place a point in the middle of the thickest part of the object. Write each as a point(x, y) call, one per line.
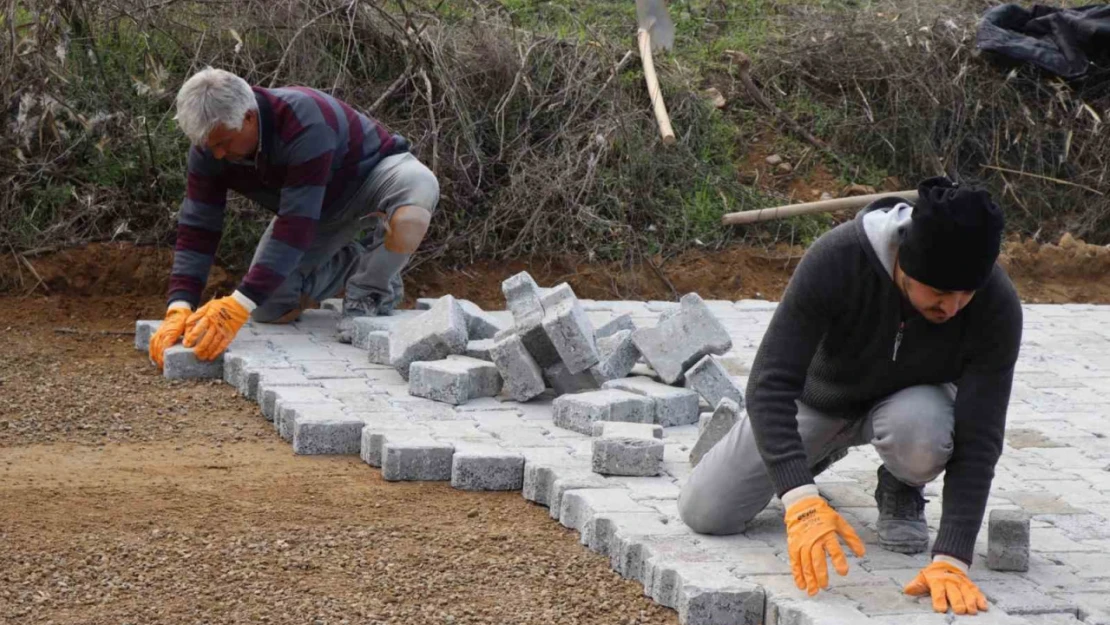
point(831, 345)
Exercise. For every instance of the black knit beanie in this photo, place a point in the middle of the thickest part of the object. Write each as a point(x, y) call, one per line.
point(954, 236)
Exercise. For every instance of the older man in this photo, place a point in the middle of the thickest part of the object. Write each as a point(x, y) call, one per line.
point(899, 330)
point(327, 171)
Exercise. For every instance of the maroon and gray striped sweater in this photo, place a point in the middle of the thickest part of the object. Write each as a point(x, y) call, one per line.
point(315, 152)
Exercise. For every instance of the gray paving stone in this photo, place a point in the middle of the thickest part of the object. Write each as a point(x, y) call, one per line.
point(683, 339)
point(786, 605)
point(481, 349)
point(144, 329)
point(568, 480)
point(434, 335)
point(374, 437)
point(487, 471)
point(617, 429)
point(455, 380)
point(724, 418)
point(273, 383)
point(326, 432)
point(563, 382)
point(1008, 540)
point(579, 508)
point(569, 329)
point(709, 597)
point(356, 330)
point(617, 355)
point(673, 406)
point(710, 380)
point(479, 323)
point(620, 536)
point(422, 460)
point(327, 370)
point(522, 296)
point(627, 456)
point(1018, 596)
point(578, 412)
point(616, 324)
point(180, 363)
point(521, 376)
point(377, 347)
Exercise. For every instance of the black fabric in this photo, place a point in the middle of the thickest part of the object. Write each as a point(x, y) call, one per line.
point(1064, 42)
point(954, 237)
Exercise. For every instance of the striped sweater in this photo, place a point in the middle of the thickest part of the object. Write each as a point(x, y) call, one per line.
point(315, 152)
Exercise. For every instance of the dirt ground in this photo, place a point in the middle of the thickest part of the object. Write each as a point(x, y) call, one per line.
point(1067, 271)
point(127, 498)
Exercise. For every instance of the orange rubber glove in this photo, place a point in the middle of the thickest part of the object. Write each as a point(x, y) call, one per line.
point(213, 326)
point(948, 584)
point(172, 328)
point(812, 527)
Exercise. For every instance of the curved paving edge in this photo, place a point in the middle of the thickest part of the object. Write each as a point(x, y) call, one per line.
point(325, 397)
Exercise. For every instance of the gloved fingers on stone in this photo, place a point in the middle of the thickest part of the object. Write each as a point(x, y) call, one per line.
point(840, 561)
point(197, 332)
point(851, 538)
point(808, 572)
point(940, 600)
point(195, 318)
point(917, 586)
point(956, 597)
point(211, 345)
point(796, 568)
point(820, 564)
point(980, 599)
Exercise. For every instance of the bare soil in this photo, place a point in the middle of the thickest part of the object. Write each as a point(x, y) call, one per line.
point(127, 498)
point(1068, 271)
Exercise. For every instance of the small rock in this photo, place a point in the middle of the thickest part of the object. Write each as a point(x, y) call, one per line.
point(773, 159)
point(785, 168)
point(857, 189)
point(714, 96)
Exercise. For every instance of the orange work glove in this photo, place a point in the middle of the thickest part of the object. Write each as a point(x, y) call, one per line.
point(812, 527)
point(948, 584)
point(213, 326)
point(172, 328)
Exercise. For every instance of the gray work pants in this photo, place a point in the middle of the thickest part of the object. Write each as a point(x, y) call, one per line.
point(336, 260)
point(911, 430)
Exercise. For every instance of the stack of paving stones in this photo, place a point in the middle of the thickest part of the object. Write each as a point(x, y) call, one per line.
point(539, 398)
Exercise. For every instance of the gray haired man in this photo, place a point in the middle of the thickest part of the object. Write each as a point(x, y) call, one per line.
point(327, 171)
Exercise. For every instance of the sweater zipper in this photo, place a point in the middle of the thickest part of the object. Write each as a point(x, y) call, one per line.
point(898, 339)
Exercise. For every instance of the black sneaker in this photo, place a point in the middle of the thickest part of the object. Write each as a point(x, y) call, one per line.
point(901, 527)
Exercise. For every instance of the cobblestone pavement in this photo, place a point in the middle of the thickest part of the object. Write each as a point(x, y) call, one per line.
point(1055, 466)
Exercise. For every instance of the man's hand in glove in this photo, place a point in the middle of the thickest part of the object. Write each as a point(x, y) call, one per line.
point(212, 328)
point(172, 329)
point(812, 528)
point(947, 581)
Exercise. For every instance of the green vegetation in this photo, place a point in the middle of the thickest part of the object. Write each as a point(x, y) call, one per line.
point(540, 147)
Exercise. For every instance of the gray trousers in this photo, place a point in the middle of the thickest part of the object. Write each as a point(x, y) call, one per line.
point(911, 430)
point(336, 260)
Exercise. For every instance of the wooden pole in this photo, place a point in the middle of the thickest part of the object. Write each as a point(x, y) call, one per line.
point(656, 94)
point(807, 208)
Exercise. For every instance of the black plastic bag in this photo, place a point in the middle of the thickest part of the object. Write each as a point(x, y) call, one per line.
point(1065, 42)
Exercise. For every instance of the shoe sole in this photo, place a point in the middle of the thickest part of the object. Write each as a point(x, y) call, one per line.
point(906, 547)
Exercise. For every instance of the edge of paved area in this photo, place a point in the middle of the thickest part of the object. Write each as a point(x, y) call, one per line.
point(705, 590)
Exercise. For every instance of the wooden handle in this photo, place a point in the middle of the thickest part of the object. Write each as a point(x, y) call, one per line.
point(661, 116)
point(823, 206)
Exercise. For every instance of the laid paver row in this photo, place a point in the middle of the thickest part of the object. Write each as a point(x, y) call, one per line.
point(328, 397)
